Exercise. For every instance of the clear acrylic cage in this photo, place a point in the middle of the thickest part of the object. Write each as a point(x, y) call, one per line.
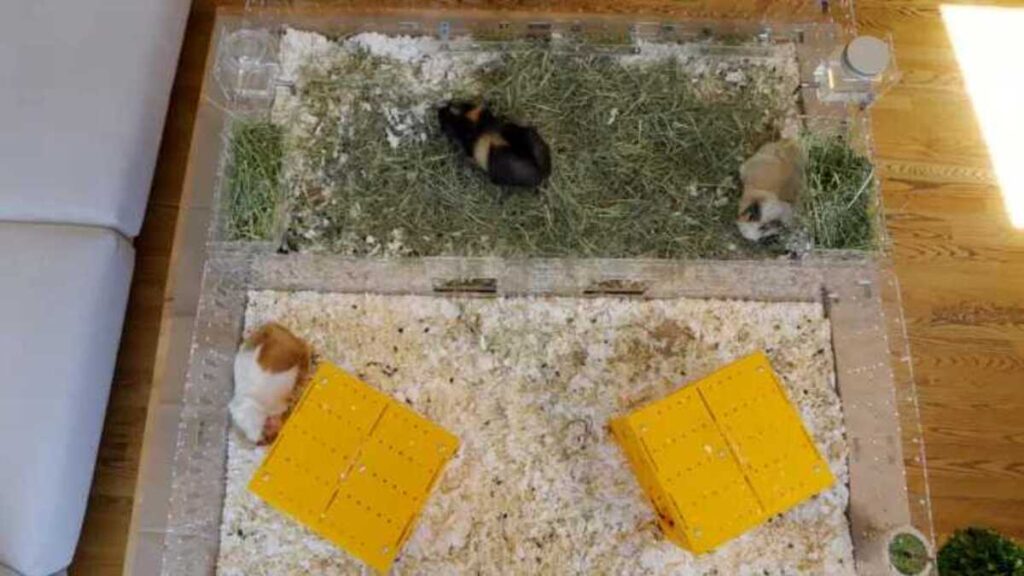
point(247, 67)
point(859, 288)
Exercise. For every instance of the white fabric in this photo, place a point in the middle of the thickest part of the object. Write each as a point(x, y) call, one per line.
point(63, 291)
point(85, 87)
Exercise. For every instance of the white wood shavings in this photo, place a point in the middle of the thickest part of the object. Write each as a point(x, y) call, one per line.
point(529, 385)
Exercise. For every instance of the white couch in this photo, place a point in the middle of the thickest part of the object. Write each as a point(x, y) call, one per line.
point(84, 88)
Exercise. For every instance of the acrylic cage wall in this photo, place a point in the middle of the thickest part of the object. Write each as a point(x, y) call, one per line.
point(877, 400)
point(859, 289)
point(247, 71)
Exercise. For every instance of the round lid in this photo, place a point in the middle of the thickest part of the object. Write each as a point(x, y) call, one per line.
point(867, 55)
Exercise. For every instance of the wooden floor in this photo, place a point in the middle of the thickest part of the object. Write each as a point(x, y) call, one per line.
point(960, 264)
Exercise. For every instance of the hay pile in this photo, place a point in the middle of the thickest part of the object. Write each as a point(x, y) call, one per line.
point(646, 148)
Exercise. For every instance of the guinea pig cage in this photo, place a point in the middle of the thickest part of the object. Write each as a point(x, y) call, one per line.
point(322, 194)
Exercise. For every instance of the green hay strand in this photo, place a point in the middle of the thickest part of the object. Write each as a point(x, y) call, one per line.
point(644, 164)
point(839, 202)
point(253, 180)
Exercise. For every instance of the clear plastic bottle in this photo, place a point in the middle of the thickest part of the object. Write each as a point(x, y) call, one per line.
point(856, 73)
point(247, 68)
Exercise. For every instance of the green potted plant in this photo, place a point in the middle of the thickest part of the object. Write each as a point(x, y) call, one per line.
point(980, 552)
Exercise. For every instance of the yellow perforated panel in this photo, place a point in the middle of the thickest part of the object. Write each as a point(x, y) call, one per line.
point(354, 466)
point(723, 455)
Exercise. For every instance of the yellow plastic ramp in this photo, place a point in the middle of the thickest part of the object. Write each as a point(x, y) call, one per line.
point(722, 455)
point(354, 466)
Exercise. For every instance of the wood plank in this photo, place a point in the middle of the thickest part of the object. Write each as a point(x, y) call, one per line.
point(99, 552)
point(953, 282)
point(960, 473)
point(972, 438)
point(941, 129)
point(960, 267)
point(950, 512)
point(119, 455)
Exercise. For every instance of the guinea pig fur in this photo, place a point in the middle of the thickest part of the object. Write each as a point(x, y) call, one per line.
point(268, 365)
point(511, 154)
point(773, 180)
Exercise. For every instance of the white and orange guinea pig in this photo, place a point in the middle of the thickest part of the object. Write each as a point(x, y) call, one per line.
point(268, 366)
point(773, 180)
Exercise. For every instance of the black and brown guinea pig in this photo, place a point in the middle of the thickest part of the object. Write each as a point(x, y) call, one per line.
point(512, 155)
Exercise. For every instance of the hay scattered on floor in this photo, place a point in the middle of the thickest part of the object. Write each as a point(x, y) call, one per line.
point(840, 203)
point(253, 181)
point(645, 148)
point(528, 385)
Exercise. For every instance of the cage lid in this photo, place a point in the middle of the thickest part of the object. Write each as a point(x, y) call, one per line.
point(867, 56)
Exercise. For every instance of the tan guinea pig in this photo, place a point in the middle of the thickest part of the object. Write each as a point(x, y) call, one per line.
point(268, 365)
point(773, 180)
